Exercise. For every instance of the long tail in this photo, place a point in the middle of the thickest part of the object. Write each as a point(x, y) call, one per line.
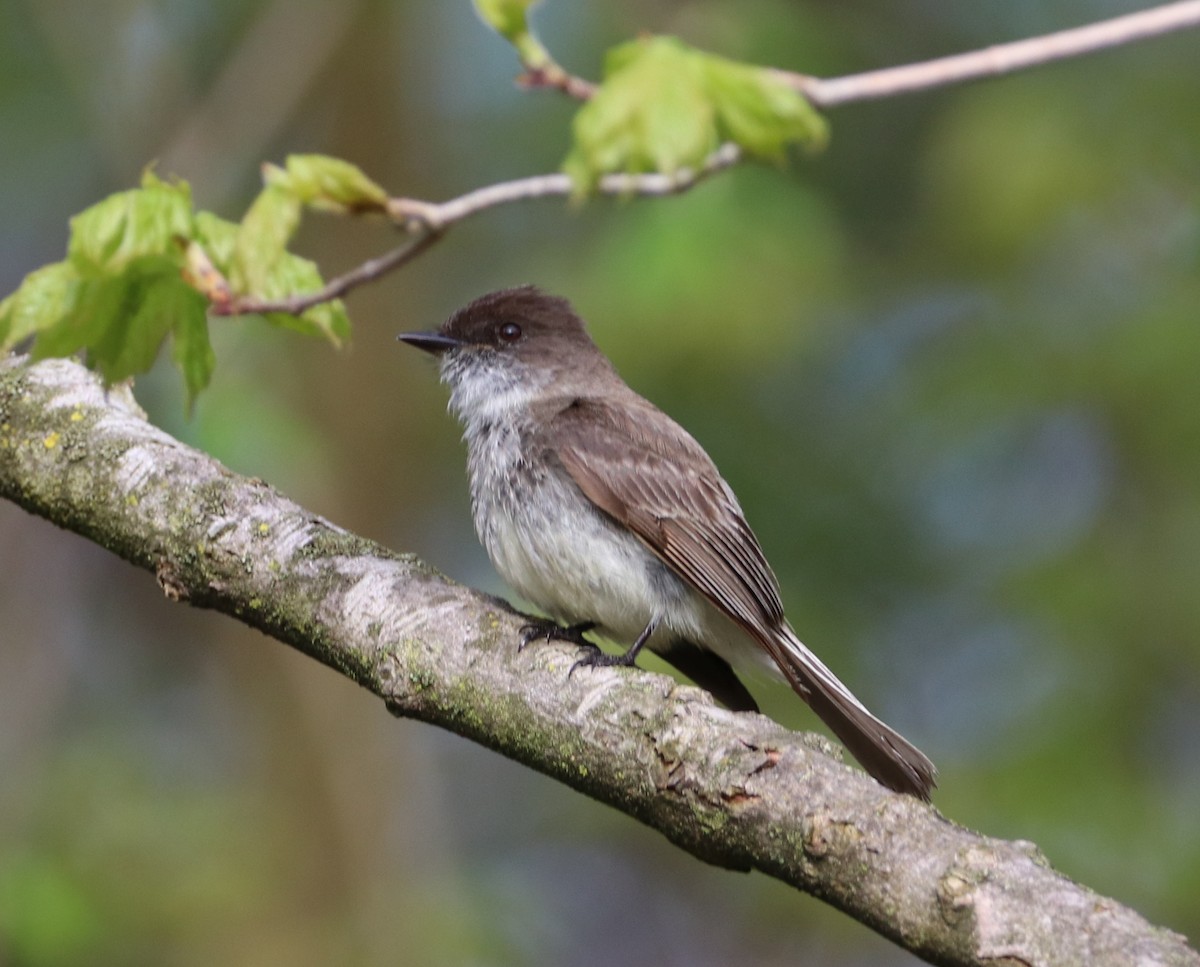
point(883, 751)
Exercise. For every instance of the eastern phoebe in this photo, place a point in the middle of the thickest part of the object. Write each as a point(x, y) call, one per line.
point(602, 511)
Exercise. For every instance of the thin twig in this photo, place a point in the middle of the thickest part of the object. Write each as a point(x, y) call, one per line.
point(432, 219)
point(554, 77)
point(440, 215)
point(338, 287)
point(1000, 59)
point(943, 71)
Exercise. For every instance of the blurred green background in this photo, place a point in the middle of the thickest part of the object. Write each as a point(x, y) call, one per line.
point(951, 366)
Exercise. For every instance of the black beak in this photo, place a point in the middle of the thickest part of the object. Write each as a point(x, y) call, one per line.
point(431, 342)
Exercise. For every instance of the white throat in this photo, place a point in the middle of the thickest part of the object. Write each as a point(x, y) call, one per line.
point(480, 393)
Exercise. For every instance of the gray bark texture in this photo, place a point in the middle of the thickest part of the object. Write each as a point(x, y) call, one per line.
point(735, 790)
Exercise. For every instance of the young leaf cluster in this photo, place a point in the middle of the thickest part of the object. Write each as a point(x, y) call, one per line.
point(665, 106)
point(142, 265)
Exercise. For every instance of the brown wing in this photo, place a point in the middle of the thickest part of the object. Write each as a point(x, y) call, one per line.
point(641, 468)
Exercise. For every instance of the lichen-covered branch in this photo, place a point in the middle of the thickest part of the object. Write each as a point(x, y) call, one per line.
point(738, 790)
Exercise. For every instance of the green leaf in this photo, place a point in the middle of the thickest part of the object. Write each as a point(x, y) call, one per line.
point(218, 237)
point(327, 320)
point(120, 276)
point(296, 276)
point(758, 111)
point(650, 114)
point(141, 265)
point(330, 183)
point(44, 298)
point(117, 318)
point(510, 19)
point(192, 352)
point(99, 304)
point(130, 225)
point(664, 106)
point(262, 266)
point(262, 238)
point(158, 302)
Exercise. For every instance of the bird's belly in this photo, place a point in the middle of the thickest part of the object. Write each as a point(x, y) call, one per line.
point(563, 556)
point(573, 563)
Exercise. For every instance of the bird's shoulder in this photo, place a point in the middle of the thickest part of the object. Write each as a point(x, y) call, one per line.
point(628, 429)
point(628, 455)
point(641, 468)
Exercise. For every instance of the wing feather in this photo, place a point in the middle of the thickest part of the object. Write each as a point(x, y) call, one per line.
point(653, 478)
point(638, 466)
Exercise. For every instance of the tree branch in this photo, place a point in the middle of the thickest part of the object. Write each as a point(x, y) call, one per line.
point(437, 215)
point(368, 271)
point(428, 221)
point(735, 790)
point(943, 71)
point(997, 60)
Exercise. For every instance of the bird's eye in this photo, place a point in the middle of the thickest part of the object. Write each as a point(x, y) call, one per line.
point(510, 332)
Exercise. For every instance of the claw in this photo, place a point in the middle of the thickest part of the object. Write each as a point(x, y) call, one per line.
point(596, 658)
point(531, 632)
point(549, 631)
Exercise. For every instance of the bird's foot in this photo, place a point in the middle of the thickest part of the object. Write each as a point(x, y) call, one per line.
point(548, 630)
point(595, 658)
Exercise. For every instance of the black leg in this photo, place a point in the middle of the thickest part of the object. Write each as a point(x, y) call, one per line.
point(710, 672)
point(549, 630)
point(600, 658)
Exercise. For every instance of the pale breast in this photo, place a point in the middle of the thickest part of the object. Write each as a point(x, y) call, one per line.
point(552, 545)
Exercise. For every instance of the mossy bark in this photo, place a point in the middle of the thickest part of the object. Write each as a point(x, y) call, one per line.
point(736, 790)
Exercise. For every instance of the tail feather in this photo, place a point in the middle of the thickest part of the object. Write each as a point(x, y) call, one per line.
point(882, 751)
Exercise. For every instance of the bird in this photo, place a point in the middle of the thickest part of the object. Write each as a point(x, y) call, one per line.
point(599, 509)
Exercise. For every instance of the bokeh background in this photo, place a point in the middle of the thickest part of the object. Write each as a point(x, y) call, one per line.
point(952, 367)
